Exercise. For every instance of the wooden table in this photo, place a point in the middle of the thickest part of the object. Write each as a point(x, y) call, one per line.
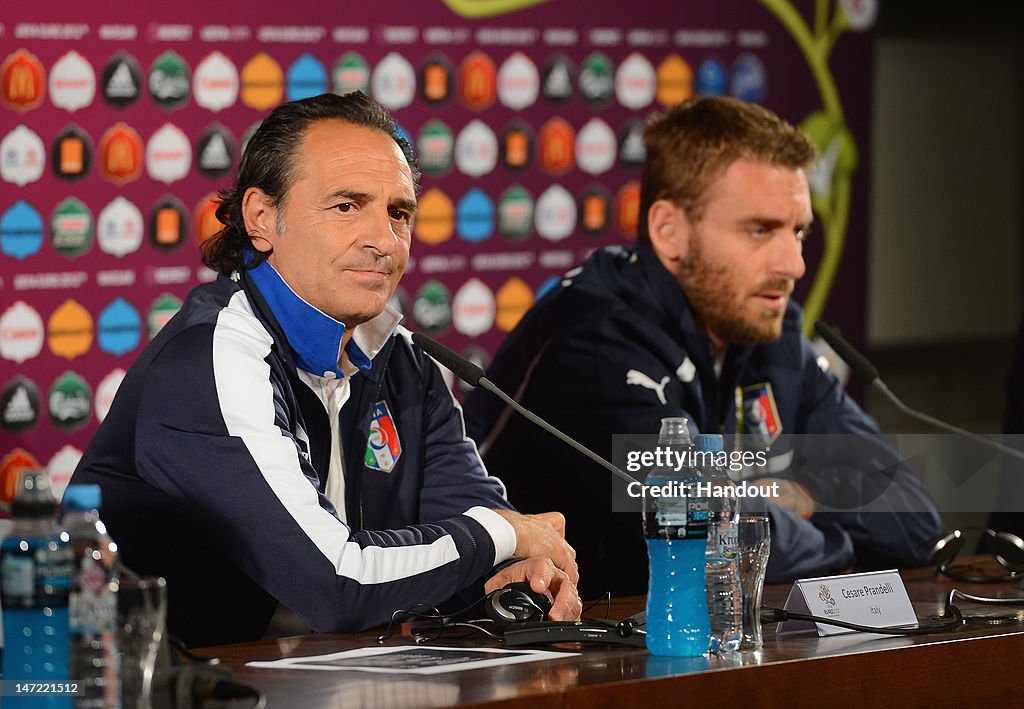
point(976, 665)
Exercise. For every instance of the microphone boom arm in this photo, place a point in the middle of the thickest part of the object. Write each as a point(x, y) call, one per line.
point(845, 351)
point(932, 421)
point(534, 418)
point(474, 375)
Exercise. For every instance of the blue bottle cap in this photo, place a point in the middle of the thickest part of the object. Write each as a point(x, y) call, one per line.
point(82, 497)
point(709, 442)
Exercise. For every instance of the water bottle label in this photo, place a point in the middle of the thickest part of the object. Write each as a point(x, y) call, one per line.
point(727, 546)
point(93, 613)
point(93, 604)
point(19, 585)
point(672, 512)
point(55, 563)
point(697, 517)
point(677, 517)
point(38, 575)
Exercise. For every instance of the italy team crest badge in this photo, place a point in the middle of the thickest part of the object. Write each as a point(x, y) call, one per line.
point(760, 414)
point(384, 448)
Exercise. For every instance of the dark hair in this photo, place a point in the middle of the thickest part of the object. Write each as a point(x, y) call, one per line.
point(692, 144)
point(269, 164)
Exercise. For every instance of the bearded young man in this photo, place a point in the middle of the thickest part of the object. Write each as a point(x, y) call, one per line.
point(696, 321)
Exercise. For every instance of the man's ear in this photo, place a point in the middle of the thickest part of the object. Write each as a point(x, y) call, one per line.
point(669, 230)
point(260, 215)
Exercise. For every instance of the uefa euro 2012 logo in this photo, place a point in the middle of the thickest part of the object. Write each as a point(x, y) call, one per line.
point(826, 596)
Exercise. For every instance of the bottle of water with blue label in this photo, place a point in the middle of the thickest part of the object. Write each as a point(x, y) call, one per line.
point(35, 577)
point(725, 599)
point(675, 525)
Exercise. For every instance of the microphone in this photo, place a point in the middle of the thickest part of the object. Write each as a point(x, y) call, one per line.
point(859, 364)
point(474, 375)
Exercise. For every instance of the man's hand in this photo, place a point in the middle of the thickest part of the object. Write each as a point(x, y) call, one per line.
point(543, 535)
point(792, 496)
point(546, 578)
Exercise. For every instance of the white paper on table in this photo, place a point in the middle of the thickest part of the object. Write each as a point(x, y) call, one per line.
point(412, 659)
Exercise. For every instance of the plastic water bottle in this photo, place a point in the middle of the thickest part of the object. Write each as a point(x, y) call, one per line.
point(93, 602)
point(725, 599)
point(675, 525)
point(35, 577)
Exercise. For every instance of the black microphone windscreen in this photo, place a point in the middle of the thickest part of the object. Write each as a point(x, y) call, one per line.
point(460, 366)
point(846, 352)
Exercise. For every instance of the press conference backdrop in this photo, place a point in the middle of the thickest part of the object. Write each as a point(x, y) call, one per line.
point(121, 121)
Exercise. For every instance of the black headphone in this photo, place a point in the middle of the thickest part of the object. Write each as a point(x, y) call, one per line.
point(1006, 548)
point(516, 603)
point(513, 605)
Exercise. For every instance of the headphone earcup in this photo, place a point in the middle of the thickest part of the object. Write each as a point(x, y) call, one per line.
point(507, 606)
point(1008, 549)
point(946, 548)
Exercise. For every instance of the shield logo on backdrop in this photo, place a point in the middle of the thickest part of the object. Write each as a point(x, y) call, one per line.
point(383, 448)
point(760, 414)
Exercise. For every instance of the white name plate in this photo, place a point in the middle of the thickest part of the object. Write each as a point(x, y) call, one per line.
point(875, 598)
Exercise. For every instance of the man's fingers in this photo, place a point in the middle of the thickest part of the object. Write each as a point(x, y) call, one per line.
point(564, 557)
point(567, 604)
point(499, 580)
point(555, 519)
point(569, 566)
point(543, 577)
point(542, 535)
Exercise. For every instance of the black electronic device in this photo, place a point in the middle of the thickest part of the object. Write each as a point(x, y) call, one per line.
point(1006, 548)
point(516, 603)
point(630, 631)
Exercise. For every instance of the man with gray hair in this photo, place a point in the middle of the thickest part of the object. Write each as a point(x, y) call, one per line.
point(283, 415)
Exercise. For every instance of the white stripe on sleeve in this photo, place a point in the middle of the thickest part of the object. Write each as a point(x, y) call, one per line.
point(246, 400)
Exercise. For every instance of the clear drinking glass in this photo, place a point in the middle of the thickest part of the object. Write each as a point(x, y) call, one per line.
point(753, 540)
point(141, 618)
